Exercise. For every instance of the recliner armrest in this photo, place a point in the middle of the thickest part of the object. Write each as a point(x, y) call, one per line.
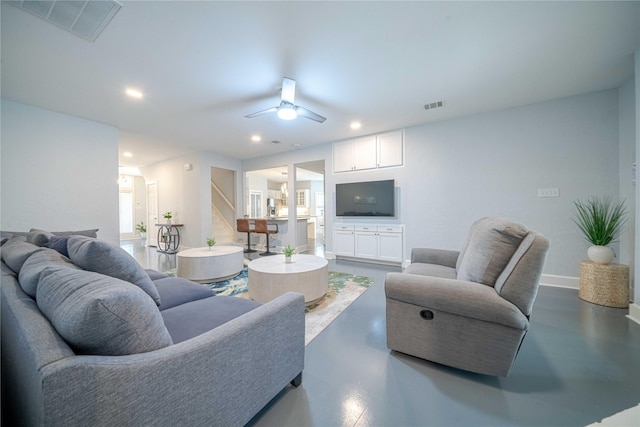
point(435, 256)
point(459, 297)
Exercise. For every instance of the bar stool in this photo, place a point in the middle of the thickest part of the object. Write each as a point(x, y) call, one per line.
point(244, 226)
point(263, 227)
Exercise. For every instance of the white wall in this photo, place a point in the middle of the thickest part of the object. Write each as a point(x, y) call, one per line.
point(187, 194)
point(627, 157)
point(58, 172)
point(493, 164)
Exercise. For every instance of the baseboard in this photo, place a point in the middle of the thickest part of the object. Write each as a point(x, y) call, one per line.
point(634, 312)
point(329, 255)
point(560, 281)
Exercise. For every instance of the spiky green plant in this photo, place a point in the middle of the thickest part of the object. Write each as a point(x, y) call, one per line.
point(600, 219)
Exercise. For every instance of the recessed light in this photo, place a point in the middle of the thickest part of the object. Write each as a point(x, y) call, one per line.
point(134, 93)
point(356, 125)
point(127, 154)
point(256, 138)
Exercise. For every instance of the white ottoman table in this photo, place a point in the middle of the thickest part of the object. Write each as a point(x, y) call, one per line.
point(270, 277)
point(205, 265)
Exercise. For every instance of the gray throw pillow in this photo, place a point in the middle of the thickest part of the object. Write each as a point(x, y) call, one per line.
point(59, 243)
point(34, 266)
point(102, 257)
point(492, 243)
point(101, 315)
point(16, 251)
point(39, 237)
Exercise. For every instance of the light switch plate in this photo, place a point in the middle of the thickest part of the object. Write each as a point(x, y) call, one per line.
point(548, 192)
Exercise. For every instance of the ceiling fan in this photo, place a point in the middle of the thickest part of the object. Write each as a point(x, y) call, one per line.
point(287, 110)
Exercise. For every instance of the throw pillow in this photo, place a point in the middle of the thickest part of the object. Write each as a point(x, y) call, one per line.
point(39, 237)
point(102, 257)
point(101, 315)
point(16, 251)
point(58, 243)
point(34, 266)
point(492, 243)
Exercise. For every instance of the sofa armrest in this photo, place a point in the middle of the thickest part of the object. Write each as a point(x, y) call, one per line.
point(459, 297)
point(222, 377)
point(435, 256)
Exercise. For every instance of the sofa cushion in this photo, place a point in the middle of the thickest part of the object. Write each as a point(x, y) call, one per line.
point(492, 243)
point(176, 290)
point(39, 237)
point(102, 257)
point(154, 274)
point(436, 270)
point(194, 318)
point(16, 251)
point(102, 315)
point(93, 232)
point(58, 243)
point(35, 265)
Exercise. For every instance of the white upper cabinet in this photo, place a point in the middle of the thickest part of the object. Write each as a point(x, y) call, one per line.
point(390, 149)
point(369, 152)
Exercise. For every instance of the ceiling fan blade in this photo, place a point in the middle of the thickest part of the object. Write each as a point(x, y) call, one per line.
point(310, 114)
point(288, 89)
point(259, 113)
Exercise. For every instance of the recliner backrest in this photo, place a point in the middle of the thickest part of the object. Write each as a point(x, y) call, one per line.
point(491, 244)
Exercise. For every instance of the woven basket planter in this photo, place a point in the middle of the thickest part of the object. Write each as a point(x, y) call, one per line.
point(606, 285)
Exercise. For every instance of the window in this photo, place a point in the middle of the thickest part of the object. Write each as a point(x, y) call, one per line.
point(126, 204)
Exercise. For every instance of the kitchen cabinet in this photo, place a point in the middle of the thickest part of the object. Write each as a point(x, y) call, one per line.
point(302, 198)
point(375, 242)
point(370, 152)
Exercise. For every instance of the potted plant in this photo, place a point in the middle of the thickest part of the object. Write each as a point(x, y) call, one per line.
point(601, 221)
point(142, 229)
point(288, 251)
point(168, 216)
point(211, 242)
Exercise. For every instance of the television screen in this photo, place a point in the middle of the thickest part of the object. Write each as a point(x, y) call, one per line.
point(371, 198)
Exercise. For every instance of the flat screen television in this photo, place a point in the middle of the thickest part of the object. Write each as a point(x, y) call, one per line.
point(370, 199)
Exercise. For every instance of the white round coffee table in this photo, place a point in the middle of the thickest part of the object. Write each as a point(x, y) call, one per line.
point(204, 265)
point(270, 277)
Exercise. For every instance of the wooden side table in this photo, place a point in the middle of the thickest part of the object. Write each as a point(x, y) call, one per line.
point(604, 284)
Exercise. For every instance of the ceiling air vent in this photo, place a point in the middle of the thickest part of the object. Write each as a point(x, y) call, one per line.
point(275, 141)
point(433, 105)
point(85, 19)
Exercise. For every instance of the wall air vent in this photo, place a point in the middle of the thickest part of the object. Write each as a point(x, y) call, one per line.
point(433, 105)
point(85, 19)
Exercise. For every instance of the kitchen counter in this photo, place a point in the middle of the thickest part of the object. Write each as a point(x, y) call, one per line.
point(283, 237)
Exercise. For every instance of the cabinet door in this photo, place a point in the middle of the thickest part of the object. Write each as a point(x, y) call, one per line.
point(364, 153)
point(366, 244)
point(343, 243)
point(343, 156)
point(390, 149)
point(390, 247)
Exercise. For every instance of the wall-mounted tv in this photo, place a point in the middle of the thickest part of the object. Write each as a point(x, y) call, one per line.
point(371, 198)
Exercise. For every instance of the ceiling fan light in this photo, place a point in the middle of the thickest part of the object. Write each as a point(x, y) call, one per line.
point(287, 112)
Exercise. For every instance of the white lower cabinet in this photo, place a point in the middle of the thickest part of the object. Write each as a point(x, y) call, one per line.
point(343, 242)
point(369, 241)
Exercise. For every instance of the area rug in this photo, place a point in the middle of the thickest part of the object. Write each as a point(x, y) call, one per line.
point(344, 289)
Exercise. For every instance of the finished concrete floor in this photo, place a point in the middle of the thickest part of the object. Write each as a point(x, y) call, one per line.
point(579, 364)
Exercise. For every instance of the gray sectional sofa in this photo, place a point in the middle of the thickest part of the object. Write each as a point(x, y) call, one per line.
point(91, 338)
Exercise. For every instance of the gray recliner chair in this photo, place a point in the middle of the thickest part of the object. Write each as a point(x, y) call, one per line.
point(468, 309)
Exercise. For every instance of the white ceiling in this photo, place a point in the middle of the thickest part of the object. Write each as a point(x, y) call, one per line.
point(204, 65)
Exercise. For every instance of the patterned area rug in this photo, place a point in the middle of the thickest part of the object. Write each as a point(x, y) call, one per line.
point(344, 289)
